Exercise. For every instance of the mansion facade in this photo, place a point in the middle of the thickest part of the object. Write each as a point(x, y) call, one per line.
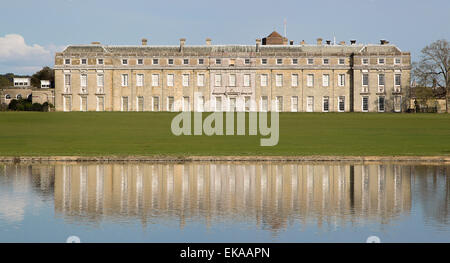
point(273, 75)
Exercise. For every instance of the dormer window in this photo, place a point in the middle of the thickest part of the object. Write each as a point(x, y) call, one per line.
point(124, 61)
point(67, 61)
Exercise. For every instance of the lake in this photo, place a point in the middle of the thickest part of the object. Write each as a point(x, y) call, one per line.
point(224, 202)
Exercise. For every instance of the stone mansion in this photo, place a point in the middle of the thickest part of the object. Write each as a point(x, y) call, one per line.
point(273, 75)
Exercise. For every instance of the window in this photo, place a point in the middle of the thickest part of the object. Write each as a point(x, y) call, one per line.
point(140, 61)
point(397, 103)
point(100, 61)
point(170, 61)
point(100, 80)
point(398, 80)
point(83, 103)
point(247, 61)
point(140, 103)
point(19, 96)
point(200, 61)
point(365, 61)
point(398, 61)
point(310, 61)
point(264, 103)
point(67, 100)
point(294, 80)
point(247, 103)
point(381, 61)
point(310, 104)
point(279, 61)
point(83, 80)
point(218, 103)
point(365, 103)
point(218, 61)
point(201, 80)
point(341, 61)
point(185, 80)
point(325, 80)
point(155, 103)
point(279, 103)
point(186, 61)
point(170, 104)
point(124, 61)
point(341, 80)
point(232, 104)
point(264, 79)
point(201, 104)
point(365, 79)
point(264, 61)
point(310, 80)
point(139, 80)
point(294, 104)
point(279, 80)
point(124, 103)
point(381, 104)
point(83, 61)
point(7, 97)
point(381, 79)
point(155, 61)
point(169, 80)
point(217, 80)
point(67, 61)
point(294, 61)
point(326, 61)
point(341, 104)
point(246, 80)
point(232, 80)
point(100, 103)
point(326, 104)
point(124, 80)
point(155, 80)
point(67, 80)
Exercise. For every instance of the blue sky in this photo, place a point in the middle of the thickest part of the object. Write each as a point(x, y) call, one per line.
point(31, 31)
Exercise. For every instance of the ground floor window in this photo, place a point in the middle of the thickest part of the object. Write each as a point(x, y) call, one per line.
point(186, 106)
point(264, 103)
point(83, 103)
point(381, 104)
point(397, 103)
point(232, 106)
point(100, 103)
point(247, 103)
point(326, 104)
point(279, 106)
point(170, 104)
point(140, 103)
point(155, 103)
point(294, 104)
point(365, 104)
point(341, 104)
point(310, 104)
point(67, 102)
point(218, 103)
point(124, 103)
point(201, 104)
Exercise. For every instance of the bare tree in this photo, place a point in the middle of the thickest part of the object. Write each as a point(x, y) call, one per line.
point(433, 68)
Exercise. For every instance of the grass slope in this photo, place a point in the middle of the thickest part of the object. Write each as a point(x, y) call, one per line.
point(117, 133)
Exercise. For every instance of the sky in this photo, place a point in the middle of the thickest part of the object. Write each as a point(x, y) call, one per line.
point(32, 31)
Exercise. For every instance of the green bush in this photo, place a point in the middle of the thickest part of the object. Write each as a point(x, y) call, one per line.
point(27, 105)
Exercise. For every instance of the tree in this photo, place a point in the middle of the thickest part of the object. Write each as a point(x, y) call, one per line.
point(46, 73)
point(433, 68)
point(424, 95)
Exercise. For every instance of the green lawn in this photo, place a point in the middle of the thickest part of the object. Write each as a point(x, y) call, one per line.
point(117, 133)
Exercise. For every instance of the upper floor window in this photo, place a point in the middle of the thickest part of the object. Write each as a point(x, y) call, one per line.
point(232, 80)
point(264, 61)
point(201, 80)
point(218, 80)
point(325, 80)
point(200, 61)
point(279, 61)
point(155, 80)
point(186, 61)
point(247, 61)
point(294, 61)
point(185, 80)
point(310, 80)
point(67, 80)
point(67, 61)
point(83, 80)
point(100, 61)
point(365, 79)
point(170, 80)
point(246, 80)
point(294, 82)
point(140, 61)
point(341, 80)
point(218, 61)
point(279, 80)
point(397, 61)
point(326, 61)
point(310, 61)
point(365, 61)
point(124, 80)
point(381, 61)
point(381, 79)
point(398, 80)
point(155, 61)
point(140, 80)
point(170, 61)
point(341, 61)
point(83, 61)
point(100, 80)
point(124, 61)
point(264, 81)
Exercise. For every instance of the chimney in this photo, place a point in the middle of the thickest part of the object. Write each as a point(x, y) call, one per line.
point(182, 42)
point(328, 42)
point(95, 43)
point(342, 43)
point(384, 42)
point(352, 42)
point(144, 41)
point(208, 41)
point(292, 42)
point(303, 42)
point(319, 41)
point(258, 44)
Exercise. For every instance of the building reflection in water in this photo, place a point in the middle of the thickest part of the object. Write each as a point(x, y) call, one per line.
point(269, 195)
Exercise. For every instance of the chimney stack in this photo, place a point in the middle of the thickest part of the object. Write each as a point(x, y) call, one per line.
point(353, 42)
point(144, 41)
point(292, 42)
point(258, 44)
point(182, 42)
point(342, 43)
point(384, 42)
point(95, 43)
point(319, 41)
point(328, 42)
point(208, 41)
point(303, 42)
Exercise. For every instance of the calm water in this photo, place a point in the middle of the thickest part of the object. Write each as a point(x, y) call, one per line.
point(224, 202)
